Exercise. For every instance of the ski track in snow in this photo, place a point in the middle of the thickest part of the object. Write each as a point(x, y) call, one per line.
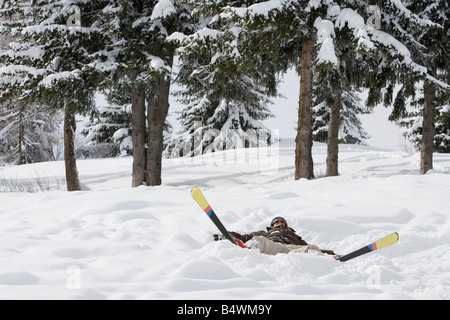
point(115, 242)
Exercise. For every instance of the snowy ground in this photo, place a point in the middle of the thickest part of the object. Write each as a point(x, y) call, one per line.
point(115, 242)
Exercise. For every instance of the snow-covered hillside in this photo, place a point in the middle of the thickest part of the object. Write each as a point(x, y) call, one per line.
point(114, 242)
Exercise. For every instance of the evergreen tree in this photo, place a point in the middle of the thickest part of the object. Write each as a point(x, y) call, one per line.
point(278, 34)
point(351, 130)
point(27, 131)
point(138, 63)
point(442, 137)
point(428, 40)
point(338, 74)
point(130, 41)
point(290, 27)
point(50, 63)
point(390, 51)
point(377, 53)
point(108, 132)
point(423, 28)
point(27, 134)
point(226, 88)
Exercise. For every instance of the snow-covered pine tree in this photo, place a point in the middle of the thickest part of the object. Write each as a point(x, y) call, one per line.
point(338, 73)
point(351, 130)
point(425, 31)
point(390, 48)
point(108, 132)
point(131, 37)
point(50, 63)
point(387, 59)
point(442, 137)
point(226, 88)
point(427, 40)
point(28, 134)
point(137, 62)
point(293, 31)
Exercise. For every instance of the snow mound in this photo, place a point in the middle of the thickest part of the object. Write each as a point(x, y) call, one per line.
point(115, 242)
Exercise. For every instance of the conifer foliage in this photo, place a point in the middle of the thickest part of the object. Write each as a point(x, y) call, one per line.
point(226, 86)
point(227, 58)
point(137, 64)
point(48, 63)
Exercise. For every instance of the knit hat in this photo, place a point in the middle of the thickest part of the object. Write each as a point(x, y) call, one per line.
point(278, 219)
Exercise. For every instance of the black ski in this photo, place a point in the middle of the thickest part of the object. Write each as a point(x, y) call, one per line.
point(200, 199)
point(384, 242)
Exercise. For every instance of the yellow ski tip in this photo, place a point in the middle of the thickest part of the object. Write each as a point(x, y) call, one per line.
point(199, 198)
point(386, 241)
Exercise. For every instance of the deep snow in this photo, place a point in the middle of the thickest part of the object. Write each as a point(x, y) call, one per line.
point(114, 242)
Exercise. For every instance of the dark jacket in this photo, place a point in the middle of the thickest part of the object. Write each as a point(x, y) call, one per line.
point(279, 234)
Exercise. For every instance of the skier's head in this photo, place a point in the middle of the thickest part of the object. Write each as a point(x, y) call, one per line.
point(278, 221)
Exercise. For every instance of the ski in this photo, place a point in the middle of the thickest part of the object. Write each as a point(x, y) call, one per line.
point(201, 201)
point(384, 242)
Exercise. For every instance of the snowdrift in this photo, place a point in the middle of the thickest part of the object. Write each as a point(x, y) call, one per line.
point(114, 242)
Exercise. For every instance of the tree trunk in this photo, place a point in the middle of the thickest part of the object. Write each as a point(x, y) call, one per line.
point(22, 157)
point(156, 116)
point(138, 132)
point(428, 131)
point(304, 167)
point(70, 125)
point(333, 137)
point(157, 111)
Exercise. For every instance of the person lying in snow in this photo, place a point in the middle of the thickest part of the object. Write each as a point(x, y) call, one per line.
point(279, 238)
